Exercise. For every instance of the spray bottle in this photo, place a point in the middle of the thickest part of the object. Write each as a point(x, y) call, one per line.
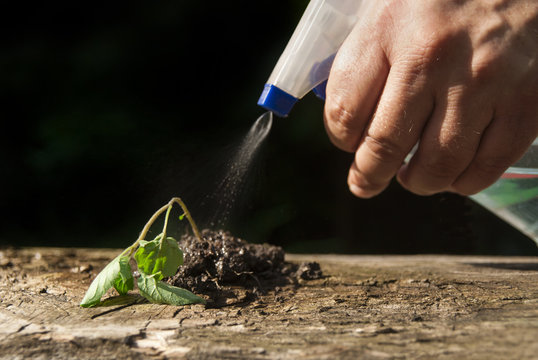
point(305, 65)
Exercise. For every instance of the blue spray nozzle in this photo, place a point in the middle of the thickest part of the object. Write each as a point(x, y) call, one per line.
point(320, 90)
point(276, 100)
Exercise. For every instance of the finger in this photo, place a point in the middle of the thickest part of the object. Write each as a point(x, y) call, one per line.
point(503, 143)
point(449, 141)
point(513, 129)
point(357, 77)
point(404, 107)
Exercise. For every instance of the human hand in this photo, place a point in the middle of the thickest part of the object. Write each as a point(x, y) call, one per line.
point(459, 77)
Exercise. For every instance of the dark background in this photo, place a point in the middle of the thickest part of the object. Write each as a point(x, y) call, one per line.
point(112, 109)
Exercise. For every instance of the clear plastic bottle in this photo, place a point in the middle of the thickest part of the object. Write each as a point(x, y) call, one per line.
point(306, 61)
point(514, 197)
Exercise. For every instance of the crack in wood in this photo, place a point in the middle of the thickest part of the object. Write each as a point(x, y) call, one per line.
point(23, 327)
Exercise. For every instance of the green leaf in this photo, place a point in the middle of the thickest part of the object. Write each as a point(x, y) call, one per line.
point(160, 293)
point(104, 281)
point(125, 281)
point(159, 257)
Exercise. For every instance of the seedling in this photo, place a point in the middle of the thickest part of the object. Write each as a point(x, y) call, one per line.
point(155, 259)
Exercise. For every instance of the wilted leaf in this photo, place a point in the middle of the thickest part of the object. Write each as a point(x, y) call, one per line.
point(104, 281)
point(160, 293)
point(159, 258)
point(125, 281)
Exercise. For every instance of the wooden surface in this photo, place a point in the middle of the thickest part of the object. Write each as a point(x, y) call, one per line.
point(366, 307)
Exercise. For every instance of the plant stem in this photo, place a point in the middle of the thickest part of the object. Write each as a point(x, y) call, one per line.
point(151, 221)
point(170, 204)
point(168, 207)
point(131, 249)
point(189, 217)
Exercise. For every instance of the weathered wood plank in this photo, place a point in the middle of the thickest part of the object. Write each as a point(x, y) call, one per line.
point(375, 307)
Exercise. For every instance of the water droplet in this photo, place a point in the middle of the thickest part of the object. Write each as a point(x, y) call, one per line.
point(231, 187)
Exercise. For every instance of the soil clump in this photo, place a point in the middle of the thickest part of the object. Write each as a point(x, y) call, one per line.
point(230, 270)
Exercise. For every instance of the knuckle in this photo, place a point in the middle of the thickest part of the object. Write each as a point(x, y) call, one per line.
point(337, 114)
point(423, 58)
point(442, 166)
point(341, 125)
point(483, 172)
point(492, 165)
point(485, 65)
point(432, 38)
point(426, 49)
point(384, 149)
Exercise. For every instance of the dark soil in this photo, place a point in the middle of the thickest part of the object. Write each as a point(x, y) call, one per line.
point(224, 268)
